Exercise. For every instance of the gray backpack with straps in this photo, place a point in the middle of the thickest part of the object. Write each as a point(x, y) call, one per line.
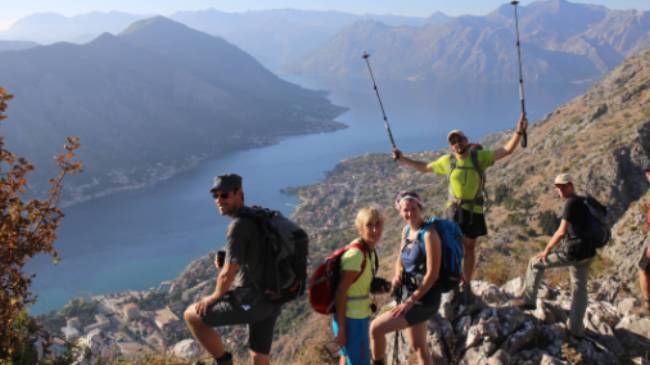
point(285, 250)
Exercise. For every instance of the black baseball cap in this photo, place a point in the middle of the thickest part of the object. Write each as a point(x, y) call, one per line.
point(226, 183)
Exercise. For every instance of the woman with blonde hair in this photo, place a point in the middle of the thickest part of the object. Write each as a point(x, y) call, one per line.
point(416, 271)
point(352, 299)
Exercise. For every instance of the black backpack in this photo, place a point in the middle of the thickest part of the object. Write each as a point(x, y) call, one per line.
point(285, 251)
point(598, 232)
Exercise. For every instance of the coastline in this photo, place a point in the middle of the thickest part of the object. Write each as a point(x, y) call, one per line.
point(161, 172)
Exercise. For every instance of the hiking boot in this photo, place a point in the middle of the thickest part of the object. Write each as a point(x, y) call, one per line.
point(467, 298)
point(226, 359)
point(522, 304)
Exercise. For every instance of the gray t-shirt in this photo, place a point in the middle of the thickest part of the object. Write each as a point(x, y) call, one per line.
point(244, 249)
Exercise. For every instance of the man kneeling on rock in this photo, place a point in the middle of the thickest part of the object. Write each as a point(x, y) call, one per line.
point(574, 254)
point(236, 299)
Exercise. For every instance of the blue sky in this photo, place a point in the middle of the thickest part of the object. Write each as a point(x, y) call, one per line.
point(12, 10)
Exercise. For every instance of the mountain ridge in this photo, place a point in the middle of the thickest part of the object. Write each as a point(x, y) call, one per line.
point(561, 41)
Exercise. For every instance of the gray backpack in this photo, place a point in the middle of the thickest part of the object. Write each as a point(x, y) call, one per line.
point(285, 250)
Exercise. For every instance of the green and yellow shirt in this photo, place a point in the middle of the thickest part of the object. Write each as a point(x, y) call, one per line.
point(358, 303)
point(465, 182)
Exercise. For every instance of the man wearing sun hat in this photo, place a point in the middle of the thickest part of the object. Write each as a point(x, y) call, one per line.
point(464, 169)
point(574, 255)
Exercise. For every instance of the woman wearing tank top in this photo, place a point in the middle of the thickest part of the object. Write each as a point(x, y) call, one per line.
point(419, 262)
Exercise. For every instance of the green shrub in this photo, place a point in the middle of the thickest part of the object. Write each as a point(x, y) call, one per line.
point(501, 193)
point(548, 222)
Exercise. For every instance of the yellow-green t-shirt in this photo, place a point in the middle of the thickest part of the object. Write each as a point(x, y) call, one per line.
point(358, 303)
point(464, 182)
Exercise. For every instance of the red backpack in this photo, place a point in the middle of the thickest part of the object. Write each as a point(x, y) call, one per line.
point(321, 287)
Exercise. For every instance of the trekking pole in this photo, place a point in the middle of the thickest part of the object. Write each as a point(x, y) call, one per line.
point(524, 139)
point(397, 293)
point(365, 56)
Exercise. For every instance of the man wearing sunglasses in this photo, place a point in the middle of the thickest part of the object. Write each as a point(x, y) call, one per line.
point(236, 298)
point(465, 203)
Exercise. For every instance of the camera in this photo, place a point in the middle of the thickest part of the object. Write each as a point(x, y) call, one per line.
point(221, 258)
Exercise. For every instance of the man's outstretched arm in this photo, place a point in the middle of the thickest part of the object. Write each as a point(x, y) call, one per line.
point(510, 147)
point(403, 160)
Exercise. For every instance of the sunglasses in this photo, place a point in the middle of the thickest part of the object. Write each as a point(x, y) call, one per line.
point(454, 141)
point(222, 195)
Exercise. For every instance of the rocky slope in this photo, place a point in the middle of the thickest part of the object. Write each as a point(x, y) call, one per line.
point(601, 138)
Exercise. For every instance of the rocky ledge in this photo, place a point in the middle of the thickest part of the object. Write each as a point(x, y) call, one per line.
point(496, 333)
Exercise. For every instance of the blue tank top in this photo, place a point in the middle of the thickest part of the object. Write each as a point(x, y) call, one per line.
point(414, 261)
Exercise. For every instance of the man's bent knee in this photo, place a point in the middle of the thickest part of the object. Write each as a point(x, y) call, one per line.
point(191, 317)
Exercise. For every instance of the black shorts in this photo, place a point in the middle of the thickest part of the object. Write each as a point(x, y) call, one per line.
point(644, 263)
point(471, 224)
point(421, 312)
point(260, 318)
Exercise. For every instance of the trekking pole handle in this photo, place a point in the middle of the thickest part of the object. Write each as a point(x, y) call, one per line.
point(366, 56)
point(522, 98)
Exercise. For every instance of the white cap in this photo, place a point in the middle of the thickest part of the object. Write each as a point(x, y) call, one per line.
point(563, 179)
point(456, 132)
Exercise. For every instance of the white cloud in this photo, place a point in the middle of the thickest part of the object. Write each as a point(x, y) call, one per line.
point(6, 24)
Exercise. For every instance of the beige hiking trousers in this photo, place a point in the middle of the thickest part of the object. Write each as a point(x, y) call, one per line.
point(579, 275)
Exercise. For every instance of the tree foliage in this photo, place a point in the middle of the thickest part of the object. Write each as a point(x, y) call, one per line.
point(27, 227)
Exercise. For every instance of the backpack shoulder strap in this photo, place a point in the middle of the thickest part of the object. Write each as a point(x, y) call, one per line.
point(452, 164)
point(421, 232)
point(473, 153)
point(257, 214)
point(481, 173)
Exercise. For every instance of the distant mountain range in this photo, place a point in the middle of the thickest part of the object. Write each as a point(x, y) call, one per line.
point(274, 37)
point(16, 45)
point(561, 42)
point(277, 37)
point(47, 28)
point(148, 101)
